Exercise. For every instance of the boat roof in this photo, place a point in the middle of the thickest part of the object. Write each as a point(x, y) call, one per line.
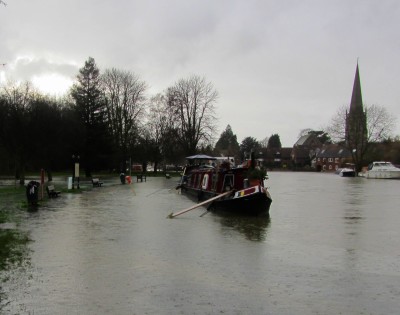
point(200, 157)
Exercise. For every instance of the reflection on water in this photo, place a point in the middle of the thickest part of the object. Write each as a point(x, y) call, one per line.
point(354, 203)
point(253, 228)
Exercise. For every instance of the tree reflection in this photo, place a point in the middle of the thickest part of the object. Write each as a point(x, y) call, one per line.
point(254, 228)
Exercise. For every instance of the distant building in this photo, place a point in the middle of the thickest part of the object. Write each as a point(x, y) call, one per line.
point(278, 158)
point(304, 150)
point(356, 134)
point(331, 157)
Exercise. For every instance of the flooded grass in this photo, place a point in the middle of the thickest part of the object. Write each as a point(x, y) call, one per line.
point(12, 248)
point(14, 251)
point(14, 256)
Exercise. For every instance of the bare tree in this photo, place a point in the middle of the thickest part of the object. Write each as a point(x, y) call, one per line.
point(192, 102)
point(157, 139)
point(380, 126)
point(125, 105)
point(264, 142)
point(380, 123)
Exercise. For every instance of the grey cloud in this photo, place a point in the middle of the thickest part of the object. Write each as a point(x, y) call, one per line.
point(273, 58)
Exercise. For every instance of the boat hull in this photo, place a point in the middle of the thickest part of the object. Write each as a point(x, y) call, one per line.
point(382, 170)
point(348, 173)
point(383, 174)
point(254, 200)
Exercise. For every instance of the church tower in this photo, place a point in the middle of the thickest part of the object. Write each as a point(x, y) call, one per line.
point(356, 118)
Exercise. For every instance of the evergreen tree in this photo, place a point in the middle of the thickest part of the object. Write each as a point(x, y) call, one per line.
point(274, 142)
point(90, 107)
point(248, 145)
point(227, 145)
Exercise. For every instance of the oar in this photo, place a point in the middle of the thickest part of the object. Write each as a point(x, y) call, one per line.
point(173, 215)
point(155, 192)
point(204, 213)
point(208, 209)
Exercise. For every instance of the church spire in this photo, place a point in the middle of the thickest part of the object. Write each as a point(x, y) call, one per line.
point(356, 98)
point(356, 118)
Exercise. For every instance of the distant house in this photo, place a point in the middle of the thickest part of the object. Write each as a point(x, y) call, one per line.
point(137, 168)
point(304, 150)
point(278, 157)
point(331, 157)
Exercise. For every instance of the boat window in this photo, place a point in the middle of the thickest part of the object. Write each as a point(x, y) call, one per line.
point(214, 182)
point(204, 184)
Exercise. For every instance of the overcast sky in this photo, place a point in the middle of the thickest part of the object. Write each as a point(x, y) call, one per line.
point(279, 66)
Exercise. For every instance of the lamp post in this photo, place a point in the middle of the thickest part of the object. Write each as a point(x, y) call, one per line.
point(75, 170)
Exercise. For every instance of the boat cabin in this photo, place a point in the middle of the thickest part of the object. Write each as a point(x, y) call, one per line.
point(213, 178)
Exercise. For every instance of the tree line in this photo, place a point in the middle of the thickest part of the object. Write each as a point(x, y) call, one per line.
point(105, 121)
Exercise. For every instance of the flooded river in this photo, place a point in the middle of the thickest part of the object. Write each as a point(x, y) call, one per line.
point(330, 246)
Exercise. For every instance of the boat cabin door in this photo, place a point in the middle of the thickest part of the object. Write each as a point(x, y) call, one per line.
point(227, 185)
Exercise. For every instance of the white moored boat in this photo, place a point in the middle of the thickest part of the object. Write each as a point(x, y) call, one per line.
point(383, 170)
point(347, 172)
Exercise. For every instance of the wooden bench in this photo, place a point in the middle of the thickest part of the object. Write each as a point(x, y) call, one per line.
point(96, 182)
point(51, 191)
point(140, 177)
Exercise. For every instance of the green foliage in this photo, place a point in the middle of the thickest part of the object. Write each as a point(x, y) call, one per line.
point(87, 94)
point(248, 145)
point(256, 173)
point(227, 145)
point(12, 248)
point(90, 107)
point(274, 142)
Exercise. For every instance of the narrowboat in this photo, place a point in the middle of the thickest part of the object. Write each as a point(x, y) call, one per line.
point(207, 177)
